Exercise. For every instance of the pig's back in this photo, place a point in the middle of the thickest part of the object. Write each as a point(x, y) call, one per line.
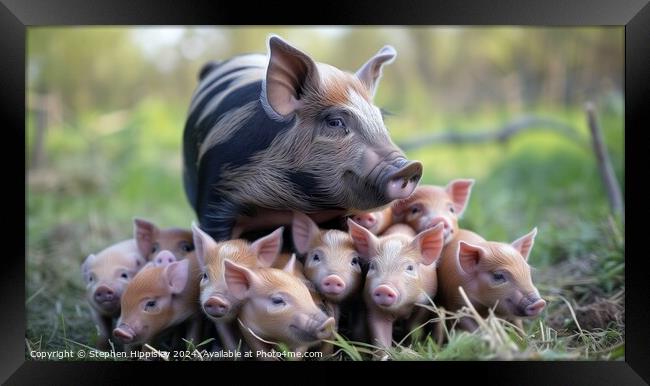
point(226, 122)
point(449, 278)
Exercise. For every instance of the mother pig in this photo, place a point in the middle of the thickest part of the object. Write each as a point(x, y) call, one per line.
point(270, 134)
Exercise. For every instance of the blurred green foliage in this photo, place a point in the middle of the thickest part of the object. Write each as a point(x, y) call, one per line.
point(109, 105)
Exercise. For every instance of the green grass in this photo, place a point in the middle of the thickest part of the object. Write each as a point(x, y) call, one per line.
point(111, 168)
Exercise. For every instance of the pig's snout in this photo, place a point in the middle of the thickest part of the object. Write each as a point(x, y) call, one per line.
point(447, 229)
point(164, 258)
point(216, 306)
point(333, 285)
point(366, 220)
point(105, 294)
point(535, 308)
point(324, 331)
point(385, 295)
point(124, 333)
point(404, 181)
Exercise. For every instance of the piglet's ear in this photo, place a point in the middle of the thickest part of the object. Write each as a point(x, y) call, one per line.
point(469, 256)
point(524, 244)
point(239, 279)
point(430, 243)
point(304, 231)
point(364, 241)
point(145, 234)
point(176, 275)
point(288, 74)
point(291, 264)
point(267, 248)
point(202, 243)
point(370, 72)
point(459, 191)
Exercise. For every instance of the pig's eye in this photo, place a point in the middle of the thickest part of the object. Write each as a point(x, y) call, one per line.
point(371, 266)
point(205, 276)
point(498, 277)
point(155, 248)
point(315, 257)
point(415, 210)
point(410, 268)
point(355, 261)
point(150, 305)
point(186, 247)
point(91, 278)
point(277, 300)
point(451, 209)
point(336, 123)
point(124, 275)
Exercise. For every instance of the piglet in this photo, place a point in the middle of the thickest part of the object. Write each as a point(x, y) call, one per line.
point(162, 295)
point(106, 275)
point(401, 274)
point(376, 222)
point(216, 300)
point(332, 264)
point(492, 274)
point(430, 205)
point(277, 308)
point(151, 239)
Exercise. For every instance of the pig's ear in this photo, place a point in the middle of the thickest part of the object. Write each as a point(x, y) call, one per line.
point(364, 241)
point(202, 242)
point(288, 74)
point(525, 243)
point(303, 230)
point(144, 233)
point(430, 243)
point(469, 256)
point(370, 72)
point(459, 191)
point(268, 248)
point(86, 263)
point(291, 264)
point(176, 275)
point(239, 279)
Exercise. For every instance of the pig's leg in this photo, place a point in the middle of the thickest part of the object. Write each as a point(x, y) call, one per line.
point(194, 327)
point(381, 327)
point(226, 335)
point(217, 217)
point(418, 318)
point(104, 324)
point(519, 323)
point(468, 324)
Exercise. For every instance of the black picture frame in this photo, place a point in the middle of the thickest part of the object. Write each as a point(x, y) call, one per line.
point(17, 15)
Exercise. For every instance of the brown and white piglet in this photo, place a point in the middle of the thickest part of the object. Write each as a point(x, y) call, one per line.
point(332, 264)
point(216, 300)
point(430, 205)
point(376, 222)
point(162, 295)
point(151, 239)
point(401, 273)
point(277, 308)
point(491, 274)
point(106, 275)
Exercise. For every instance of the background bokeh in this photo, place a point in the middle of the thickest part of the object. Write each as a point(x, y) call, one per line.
point(106, 110)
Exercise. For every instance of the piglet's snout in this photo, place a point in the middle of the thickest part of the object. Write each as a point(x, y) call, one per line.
point(105, 294)
point(124, 333)
point(536, 307)
point(384, 295)
point(333, 284)
point(324, 331)
point(366, 220)
point(216, 306)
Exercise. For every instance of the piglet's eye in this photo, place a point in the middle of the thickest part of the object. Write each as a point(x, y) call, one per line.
point(316, 257)
point(277, 300)
point(498, 277)
point(415, 210)
point(355, 261)
point(451, 209)
point(124, 275)
point(205, 276)
point(410, 267)
point(187, 247)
